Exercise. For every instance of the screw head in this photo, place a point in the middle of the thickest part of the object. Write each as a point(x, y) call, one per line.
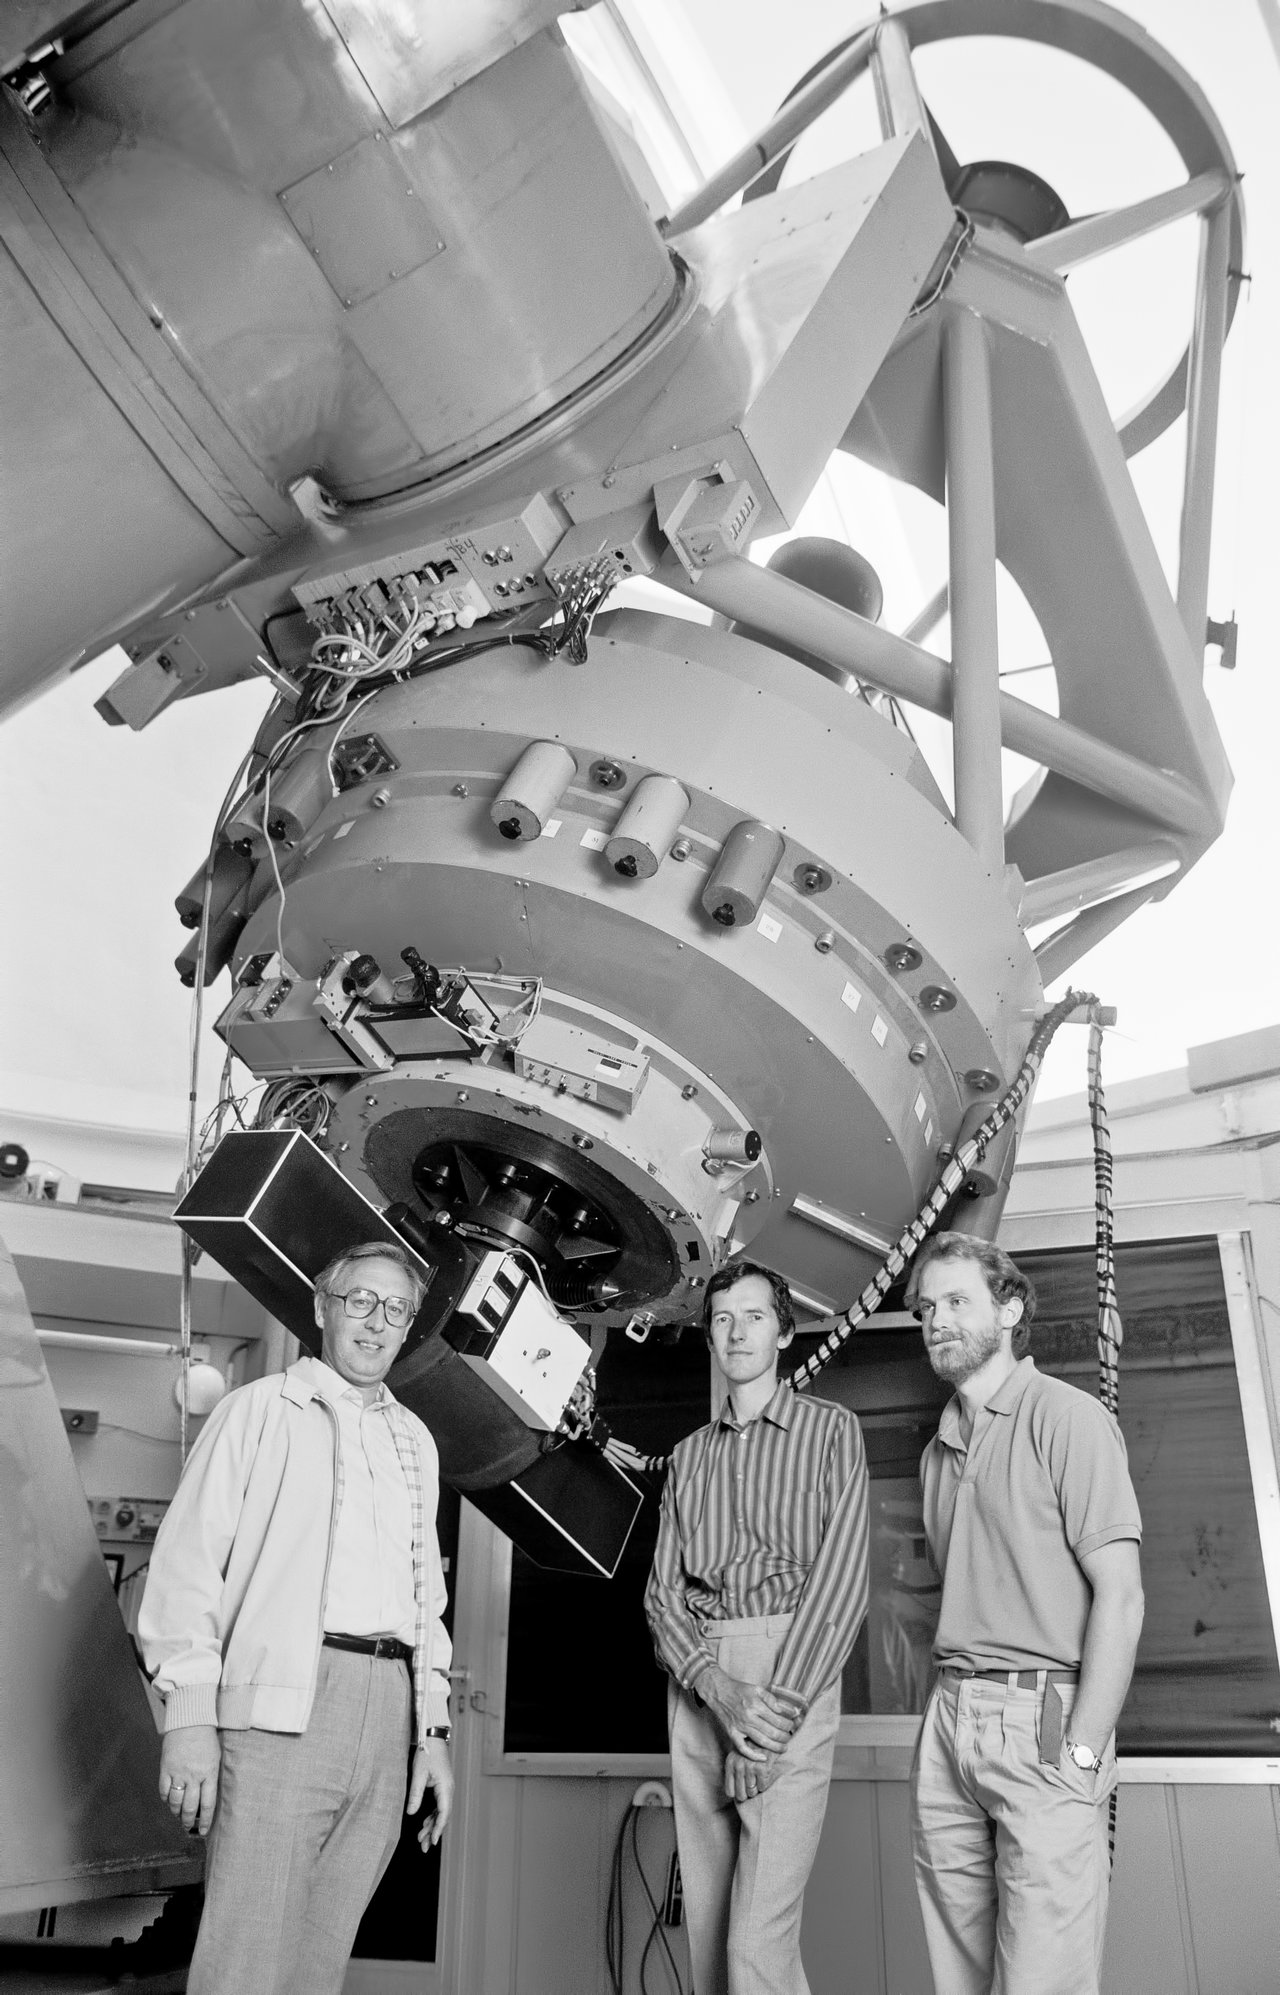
point(582, 1142)
point(371, 1101)
point(380, 799)
point(688, 1091)
point(936, 997)
point(981, 1080)
point(825, 942)
point(463, 1095)
point(681, 849)
point(752, 1198)
point(918, 1052)
point(903, 956)
point(607, 775)
point(461, 790)
point(811, 878)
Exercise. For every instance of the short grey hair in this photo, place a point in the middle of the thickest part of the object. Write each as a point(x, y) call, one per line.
point(372, 1250)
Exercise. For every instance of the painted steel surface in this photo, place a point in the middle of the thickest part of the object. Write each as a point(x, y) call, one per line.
point(80, 1815)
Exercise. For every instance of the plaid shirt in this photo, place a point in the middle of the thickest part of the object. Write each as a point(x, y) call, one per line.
point(430, 1703)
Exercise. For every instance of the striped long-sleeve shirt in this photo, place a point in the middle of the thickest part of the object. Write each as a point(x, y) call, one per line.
point(769, 1518)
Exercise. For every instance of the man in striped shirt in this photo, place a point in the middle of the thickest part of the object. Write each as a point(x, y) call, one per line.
point(758, 1589)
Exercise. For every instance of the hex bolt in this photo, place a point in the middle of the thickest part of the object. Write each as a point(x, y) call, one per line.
point(681, 849)
point(463, 1095)
point(688, 1091)
point(825, 942)
point(752, 1198)
point(380, 799)
point(918, 1052)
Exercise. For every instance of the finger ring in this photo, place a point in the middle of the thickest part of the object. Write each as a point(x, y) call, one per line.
point(177, 1787)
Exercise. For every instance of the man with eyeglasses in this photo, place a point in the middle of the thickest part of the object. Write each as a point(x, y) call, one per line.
point(292, 1623)
point(1032, 1521)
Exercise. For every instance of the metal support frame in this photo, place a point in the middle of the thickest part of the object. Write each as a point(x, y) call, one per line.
point(929, 616)
point(971, 529)
point(1203, 386)
point(775, 138)
point(1055, 894)
point(1096, 234)
point(794, 616)
point(898, 98)
point(1069, 944)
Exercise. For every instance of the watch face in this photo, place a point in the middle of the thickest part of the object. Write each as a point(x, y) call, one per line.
point(1084, 1758)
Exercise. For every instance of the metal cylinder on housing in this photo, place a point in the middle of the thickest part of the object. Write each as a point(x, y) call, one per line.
point(649, 821)
point(743, 873)
point(532, 790)
point(294, 800)
point(232, 872)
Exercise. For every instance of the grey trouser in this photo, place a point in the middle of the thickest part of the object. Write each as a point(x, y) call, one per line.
point(1010, 1848)
point(306, 1824)
point(745, 1864)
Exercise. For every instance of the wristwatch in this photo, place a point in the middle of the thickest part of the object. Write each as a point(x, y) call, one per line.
point(1084, 1756)
point(436, 1732)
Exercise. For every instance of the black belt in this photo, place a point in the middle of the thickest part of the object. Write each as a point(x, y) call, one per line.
point(389, 1646)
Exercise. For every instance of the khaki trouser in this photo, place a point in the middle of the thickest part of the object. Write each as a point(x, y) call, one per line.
point(305, 1826)
point(744, 1864)
point(1010, 1849)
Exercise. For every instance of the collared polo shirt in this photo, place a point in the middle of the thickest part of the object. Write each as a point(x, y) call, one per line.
point(1043, 1482)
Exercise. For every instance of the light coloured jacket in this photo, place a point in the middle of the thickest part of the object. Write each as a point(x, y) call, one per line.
point(233, 1613)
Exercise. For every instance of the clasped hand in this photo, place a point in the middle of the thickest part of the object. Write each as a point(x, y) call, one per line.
point(758, 1726)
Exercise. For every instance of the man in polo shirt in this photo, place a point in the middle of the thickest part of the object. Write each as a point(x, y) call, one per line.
point(758, 1589)
point(1032, 1521)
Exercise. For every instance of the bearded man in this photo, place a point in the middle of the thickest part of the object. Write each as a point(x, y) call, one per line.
point(1033, 1524)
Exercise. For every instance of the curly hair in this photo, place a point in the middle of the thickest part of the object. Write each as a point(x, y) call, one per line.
point(1005, 1280)
point(738, 1271)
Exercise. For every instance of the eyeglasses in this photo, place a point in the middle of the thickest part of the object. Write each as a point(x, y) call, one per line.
point(398, 1310)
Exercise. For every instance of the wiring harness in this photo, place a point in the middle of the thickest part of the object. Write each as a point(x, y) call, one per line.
point(949, 1181)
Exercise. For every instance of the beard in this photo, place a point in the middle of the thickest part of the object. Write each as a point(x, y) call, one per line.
point(955, 1362)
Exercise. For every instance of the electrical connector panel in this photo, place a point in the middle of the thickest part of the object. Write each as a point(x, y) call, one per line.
point(513, 1338)
point(472, 573)
point(575, 1063)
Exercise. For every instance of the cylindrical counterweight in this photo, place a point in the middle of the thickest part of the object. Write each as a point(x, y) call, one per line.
point(533, 789)
point(232, 872)
point(649, 821)
point(742, 874)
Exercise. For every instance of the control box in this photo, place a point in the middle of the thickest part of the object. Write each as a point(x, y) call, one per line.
point(128, 1519)
point(516, 1340)
point(577, 1063)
